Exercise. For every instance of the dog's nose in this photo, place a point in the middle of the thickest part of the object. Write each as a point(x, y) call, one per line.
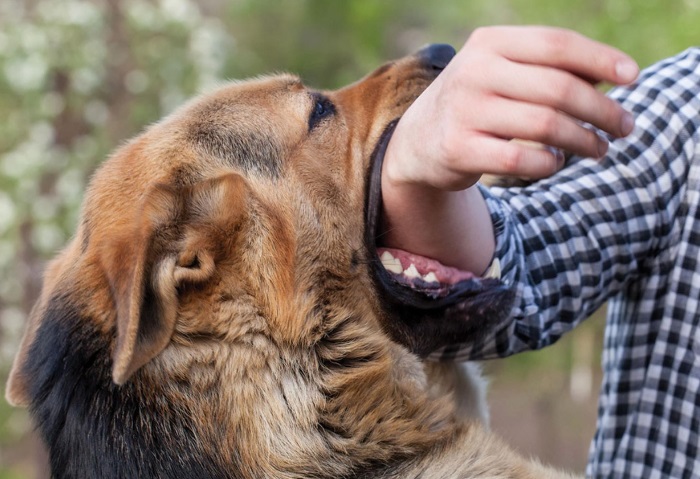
point(437, 56)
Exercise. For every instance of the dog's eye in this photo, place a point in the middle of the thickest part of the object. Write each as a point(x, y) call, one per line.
point(322, 108)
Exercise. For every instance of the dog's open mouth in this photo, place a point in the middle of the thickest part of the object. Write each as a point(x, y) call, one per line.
point(426, 275)
point(429, 305)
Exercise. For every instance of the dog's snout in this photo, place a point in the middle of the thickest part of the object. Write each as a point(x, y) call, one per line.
point(437, 56)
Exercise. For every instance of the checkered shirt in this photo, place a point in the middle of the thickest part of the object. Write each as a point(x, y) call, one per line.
point(625, 230)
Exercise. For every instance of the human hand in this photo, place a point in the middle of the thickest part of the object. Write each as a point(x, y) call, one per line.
point(528, 83)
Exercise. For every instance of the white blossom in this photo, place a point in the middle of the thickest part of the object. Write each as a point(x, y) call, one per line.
point(136, 81)
point(8, 212)
point(25, 74)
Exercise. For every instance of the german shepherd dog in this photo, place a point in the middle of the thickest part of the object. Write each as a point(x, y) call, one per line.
point(222, 312)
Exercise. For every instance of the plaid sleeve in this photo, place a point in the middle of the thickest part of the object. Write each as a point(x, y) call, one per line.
point(571, 241)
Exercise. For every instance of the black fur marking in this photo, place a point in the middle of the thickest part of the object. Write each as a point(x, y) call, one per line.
point(96, 429)
point(151, 316)
point(252, 152)
point(337, 350)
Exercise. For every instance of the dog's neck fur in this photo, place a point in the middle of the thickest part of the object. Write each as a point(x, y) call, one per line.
point(346, 403)
point(94, 428)
point(146, 428)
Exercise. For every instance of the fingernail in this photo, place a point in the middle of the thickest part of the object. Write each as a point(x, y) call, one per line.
point(627, 124)
point(626, 70)
point(602, 147)
point(559, 155)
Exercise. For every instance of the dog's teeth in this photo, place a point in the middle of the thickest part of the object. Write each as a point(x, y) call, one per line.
point(430, 278)
point(494, 270)
point(390, 263)
point(411, 272)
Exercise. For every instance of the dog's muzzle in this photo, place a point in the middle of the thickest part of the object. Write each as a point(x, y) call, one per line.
point(423, 311)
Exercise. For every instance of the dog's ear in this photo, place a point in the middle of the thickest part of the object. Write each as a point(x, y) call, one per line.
point(17, 387)
point(170, 246)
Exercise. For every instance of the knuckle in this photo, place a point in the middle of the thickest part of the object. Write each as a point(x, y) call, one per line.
point(486, 36)
point(479, 35)
point(545, 125)
point(511, 160)
point(557, 41)
point(604, 64)
point(449, 146)
point(563, 92)
point(454, 81)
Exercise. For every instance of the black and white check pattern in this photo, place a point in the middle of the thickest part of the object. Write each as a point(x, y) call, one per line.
point(625, 229)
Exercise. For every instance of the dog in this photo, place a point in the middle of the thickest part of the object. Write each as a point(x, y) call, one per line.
point(222, 310)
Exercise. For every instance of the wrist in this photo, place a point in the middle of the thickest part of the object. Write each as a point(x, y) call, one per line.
point(453, 227)
point(428, 217)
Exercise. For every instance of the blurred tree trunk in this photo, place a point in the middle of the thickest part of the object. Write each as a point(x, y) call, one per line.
point(119, 63)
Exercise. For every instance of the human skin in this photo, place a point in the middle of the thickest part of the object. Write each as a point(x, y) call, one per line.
point(529, 83)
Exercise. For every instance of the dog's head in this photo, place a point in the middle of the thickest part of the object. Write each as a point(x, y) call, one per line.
point(246, 219)
point(255, 190)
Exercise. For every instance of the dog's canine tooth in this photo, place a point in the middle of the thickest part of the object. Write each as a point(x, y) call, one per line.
point(494, 271)
point(390, 263)
point(411, 272)
point(430, 278)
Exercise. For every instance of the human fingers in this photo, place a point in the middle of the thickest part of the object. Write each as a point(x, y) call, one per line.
point(508, 119)
point(558, 48)
point(496, 156)
point(561, 91)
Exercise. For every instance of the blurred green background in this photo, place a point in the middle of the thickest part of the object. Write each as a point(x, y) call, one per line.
point(77, 77)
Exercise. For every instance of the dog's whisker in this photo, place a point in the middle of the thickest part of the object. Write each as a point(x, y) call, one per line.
point(384, 232)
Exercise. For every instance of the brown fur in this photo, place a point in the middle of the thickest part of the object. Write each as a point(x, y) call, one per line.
point(220, 273)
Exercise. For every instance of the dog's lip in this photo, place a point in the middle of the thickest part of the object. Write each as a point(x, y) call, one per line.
point(467, 284)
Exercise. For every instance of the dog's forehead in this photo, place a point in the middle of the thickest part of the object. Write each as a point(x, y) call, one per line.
point(261, 95)
point(243, 127)
point(248, 125)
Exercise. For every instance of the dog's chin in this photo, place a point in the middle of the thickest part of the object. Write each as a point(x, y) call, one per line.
point(428, 306)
